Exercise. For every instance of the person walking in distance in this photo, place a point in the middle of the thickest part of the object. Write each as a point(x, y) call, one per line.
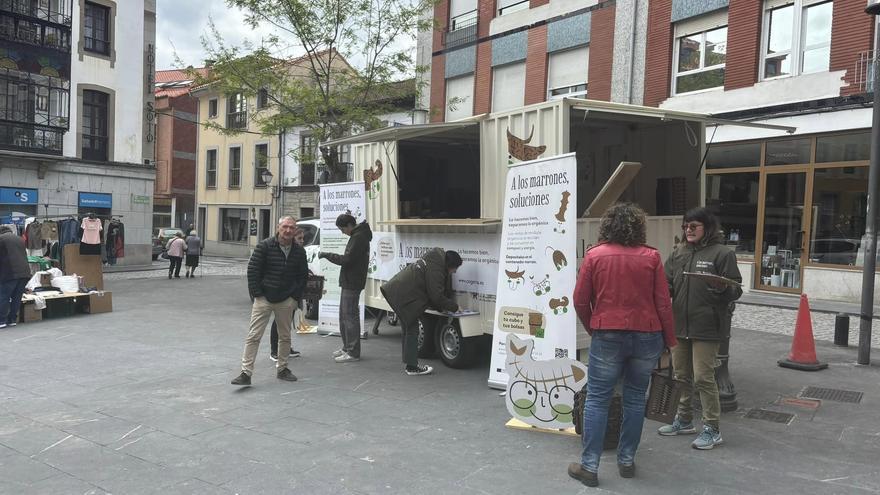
point(703, 310)
point(277, 272)
point(14, 275)
point(176, 248)
point(622, 299)
point(273, 334)
point(193, 251)
point(425, 283)
point(352, 280)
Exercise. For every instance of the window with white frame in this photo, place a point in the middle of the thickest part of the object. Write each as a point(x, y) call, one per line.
point(510, 6)
point(508, 86)
point(462, 14)
point(567, 73)
point(700, 53)
point(796, 37)
point(459, 97)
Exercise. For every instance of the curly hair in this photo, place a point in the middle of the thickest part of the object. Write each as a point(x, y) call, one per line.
point(623, 223)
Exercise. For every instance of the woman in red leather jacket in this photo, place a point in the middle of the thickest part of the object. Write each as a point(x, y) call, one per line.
point(622, 299)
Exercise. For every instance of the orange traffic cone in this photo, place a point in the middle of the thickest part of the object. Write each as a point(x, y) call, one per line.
point(803, 348)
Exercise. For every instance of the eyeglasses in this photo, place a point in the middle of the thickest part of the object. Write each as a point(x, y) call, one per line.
point(691, 226)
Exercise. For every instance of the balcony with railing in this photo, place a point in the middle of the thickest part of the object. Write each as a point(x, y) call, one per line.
point(236, 120)
point(34, 111)
point(865, 66)
point(53, 11)
point(33, 33)
point(461, 31)
point(31, 138)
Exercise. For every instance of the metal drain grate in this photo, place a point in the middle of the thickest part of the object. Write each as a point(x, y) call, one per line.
point(774, 416)
point(834, 394)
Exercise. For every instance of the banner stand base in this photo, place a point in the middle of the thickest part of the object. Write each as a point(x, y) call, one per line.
point(327, 333)
point(520, 425)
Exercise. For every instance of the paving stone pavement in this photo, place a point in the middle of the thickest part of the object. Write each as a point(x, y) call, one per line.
point(138, 401)
point(782, 321)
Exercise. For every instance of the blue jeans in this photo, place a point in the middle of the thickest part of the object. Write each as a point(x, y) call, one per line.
point(632, 355)
point(10, 299)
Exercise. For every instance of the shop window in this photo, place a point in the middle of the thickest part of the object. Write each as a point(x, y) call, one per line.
point(843, 148)
point(700, 53)
point(733, 198)
point(796, 37)
point(234, 168)
point(459, 97)
point(96, 28)
point(211, 169)
point(233, 224)
point(508, 87)
point(95, 125)
point(567, 73)
point(787, 152)
point(733, 155)
point(261, 163)
point(839, 204)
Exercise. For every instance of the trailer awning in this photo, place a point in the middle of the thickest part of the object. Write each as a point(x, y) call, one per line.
point(401, 132)
point(662, 114)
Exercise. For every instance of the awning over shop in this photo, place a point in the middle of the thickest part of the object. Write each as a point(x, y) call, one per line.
point(402, 132)
point(662, 114)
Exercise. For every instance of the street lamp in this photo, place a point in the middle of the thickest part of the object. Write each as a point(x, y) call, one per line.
point(267, 177)
point(867, 308)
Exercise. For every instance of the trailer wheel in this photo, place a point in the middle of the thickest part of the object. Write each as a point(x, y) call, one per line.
point(426, 337)
point(456, 351)
point(393, 319)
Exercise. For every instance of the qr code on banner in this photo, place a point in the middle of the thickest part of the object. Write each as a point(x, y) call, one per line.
point(561, 353)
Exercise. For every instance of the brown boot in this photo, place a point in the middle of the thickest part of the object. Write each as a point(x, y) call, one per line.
point(576, 471)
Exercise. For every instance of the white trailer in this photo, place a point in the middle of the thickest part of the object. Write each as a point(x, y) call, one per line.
point(445, 181)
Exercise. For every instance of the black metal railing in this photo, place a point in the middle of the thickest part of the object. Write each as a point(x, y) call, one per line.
point(33, 33)
point(94, 148)
point(31, 138)
point(236, 120)
point(54, 11)
point(34, 99)
point(461, 32)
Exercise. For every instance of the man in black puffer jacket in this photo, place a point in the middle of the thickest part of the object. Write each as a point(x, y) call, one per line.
point(277, 274)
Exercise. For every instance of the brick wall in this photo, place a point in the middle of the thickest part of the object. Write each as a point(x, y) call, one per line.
point(536, 66)
point(537, 3)
point(438, 88)
point(851, 34)
point(658, 54)
point(483, 79)
point(485, 14)
point(743, 44)
point(441, 22)
point(601, 53)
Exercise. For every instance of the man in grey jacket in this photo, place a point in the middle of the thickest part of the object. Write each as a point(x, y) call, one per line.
point(14, 275)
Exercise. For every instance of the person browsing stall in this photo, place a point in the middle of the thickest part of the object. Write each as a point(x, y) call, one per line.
point(14, 275)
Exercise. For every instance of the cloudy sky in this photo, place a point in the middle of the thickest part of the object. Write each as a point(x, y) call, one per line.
point(180, 24)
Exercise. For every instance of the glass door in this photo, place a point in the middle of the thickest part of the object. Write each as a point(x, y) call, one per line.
point(783, 231)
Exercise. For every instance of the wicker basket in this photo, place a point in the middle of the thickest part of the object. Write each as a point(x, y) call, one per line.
point(663, 396)
point(314, 288)
point(615, 418)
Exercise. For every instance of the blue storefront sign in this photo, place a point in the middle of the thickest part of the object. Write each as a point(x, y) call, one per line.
point(95, 200)
point(18, 196)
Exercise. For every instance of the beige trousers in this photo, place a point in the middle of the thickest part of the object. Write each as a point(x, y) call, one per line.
point(694, 361)
point(260, 312)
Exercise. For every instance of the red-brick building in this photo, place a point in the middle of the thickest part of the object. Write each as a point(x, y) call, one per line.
point(176, 134)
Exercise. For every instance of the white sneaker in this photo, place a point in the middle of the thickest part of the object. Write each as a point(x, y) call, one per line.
point(338, 352)
point(2, 325)
point(422, 369)
point(346, 358)
point(13, 324)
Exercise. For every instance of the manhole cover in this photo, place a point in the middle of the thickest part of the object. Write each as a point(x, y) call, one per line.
point(834, 394)
point(774, 416)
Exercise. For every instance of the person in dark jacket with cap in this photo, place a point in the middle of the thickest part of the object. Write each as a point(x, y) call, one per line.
point(702, 310)
point(276, 274)
point(14, 275)
point(352, 280)
point(426, 283)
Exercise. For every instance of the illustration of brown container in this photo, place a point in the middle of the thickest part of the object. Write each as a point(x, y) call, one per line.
point(536, 321)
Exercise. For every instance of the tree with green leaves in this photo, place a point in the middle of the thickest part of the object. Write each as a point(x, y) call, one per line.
point(328, 68)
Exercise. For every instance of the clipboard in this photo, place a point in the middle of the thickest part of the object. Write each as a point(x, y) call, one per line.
point(710, 277)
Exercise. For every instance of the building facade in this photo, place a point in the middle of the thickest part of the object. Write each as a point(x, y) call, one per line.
point(177, 119)
point(236, 208)
point(76, 113)
point(793, 205)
